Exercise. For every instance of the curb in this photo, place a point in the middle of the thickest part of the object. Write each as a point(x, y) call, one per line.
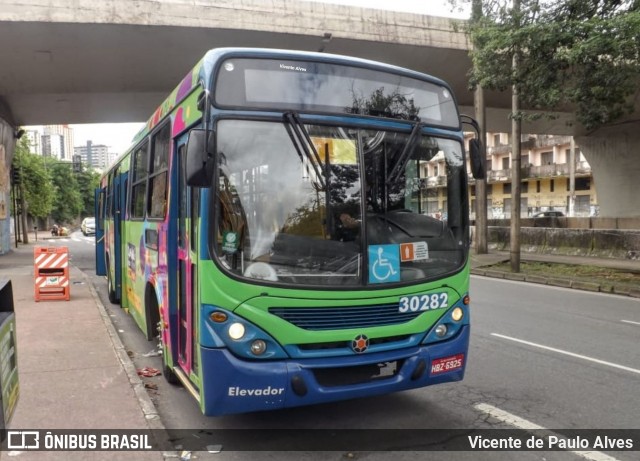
point(151, 415)
point(581, 285)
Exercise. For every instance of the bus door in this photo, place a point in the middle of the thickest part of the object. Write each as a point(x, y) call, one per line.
point(119, 201)
point(101, 266)
point(186, 266)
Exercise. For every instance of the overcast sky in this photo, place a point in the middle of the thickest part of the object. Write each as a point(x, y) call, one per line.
point(118, 136)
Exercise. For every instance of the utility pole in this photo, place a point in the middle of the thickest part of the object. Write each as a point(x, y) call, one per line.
point(516, 125)
point(481, 184)
point(23, 214)
point(572, 178)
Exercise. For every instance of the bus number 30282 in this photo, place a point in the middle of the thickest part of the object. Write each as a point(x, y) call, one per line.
point(419, 303)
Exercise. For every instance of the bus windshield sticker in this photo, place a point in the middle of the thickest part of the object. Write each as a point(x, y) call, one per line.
point(414, 251)
point(421, 303)
point(230, 242)
point(340, 151)
point(384, 263)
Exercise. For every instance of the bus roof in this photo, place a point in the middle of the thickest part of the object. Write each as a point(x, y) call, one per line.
point(203, 70)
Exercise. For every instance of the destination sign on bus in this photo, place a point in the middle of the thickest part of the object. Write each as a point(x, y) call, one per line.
point(332, 88)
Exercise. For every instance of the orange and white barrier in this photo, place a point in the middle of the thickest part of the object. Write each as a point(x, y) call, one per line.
point(51, 273)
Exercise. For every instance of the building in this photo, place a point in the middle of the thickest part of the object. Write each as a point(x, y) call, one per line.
point(96, 156)
point(55, 141)
point(34, 136)
point(551, 181)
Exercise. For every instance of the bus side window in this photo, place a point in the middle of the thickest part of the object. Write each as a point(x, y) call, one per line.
point(139, 182)
point(157, 204)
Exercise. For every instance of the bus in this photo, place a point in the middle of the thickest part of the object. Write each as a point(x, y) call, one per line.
point(270, 225)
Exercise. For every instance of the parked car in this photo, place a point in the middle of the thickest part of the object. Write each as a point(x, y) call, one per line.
point(88, 226)
point(548, 219)
point(549, 214)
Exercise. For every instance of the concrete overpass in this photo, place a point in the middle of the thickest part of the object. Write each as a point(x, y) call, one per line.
point(84, 61)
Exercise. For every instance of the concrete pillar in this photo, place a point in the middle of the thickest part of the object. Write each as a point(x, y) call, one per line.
point(7, 147)
point(615, 165)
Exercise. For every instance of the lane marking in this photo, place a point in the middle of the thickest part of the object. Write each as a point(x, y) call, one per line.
point(631, 322)
point(570, 354)
point(521, 423)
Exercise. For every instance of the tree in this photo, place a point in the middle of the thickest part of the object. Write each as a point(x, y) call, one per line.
point(579, 55)
point(68, 201)
point(88, 180)
point(36, 188)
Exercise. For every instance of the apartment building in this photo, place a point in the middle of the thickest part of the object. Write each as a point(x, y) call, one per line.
point(97, 156)
point(550, 180)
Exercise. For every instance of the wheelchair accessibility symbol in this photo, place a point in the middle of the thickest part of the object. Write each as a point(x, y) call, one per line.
point(384, 263)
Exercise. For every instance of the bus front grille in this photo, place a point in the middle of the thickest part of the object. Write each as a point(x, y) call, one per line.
point(342, 318)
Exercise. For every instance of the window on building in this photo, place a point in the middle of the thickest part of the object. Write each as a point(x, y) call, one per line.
point(524, 187)
point(546, 158)
point(551, 186)
point(538, 187)
point(582, 204)
point(524, 161)
point(496, 139)
point(506, 188)
point(583, 184)
point(505, 163)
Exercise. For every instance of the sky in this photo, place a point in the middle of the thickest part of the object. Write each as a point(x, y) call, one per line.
point(118, 136)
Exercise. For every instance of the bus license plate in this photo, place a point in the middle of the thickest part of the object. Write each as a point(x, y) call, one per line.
point(446, 364)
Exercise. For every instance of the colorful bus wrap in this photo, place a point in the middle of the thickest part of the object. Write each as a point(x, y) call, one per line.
point(273, 225)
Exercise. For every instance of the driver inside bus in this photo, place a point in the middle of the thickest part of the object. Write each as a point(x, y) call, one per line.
point(347, 227)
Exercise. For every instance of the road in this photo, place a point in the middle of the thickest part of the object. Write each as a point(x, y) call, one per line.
point(541, 357)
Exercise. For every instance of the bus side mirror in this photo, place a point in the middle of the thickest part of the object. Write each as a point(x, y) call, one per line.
point(200, 162)
point(476, 159)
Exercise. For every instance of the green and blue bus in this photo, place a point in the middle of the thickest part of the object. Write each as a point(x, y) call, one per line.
point(269, 224)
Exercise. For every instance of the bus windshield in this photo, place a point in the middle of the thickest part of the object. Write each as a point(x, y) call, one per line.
point(334, 206)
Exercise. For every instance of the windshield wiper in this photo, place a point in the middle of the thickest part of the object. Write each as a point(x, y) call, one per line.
point(409, 148)
point(304, 146)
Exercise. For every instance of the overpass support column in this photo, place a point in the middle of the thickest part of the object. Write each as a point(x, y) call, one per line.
point(7, 147)
point(615, 165)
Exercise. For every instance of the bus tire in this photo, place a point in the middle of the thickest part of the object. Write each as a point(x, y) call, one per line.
point(167, 371)
point(152, 314)
point(111, 290)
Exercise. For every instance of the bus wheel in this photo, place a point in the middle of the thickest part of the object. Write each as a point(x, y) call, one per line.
point(111, 290)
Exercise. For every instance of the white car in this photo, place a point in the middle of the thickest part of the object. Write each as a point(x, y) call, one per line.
point(88, 226)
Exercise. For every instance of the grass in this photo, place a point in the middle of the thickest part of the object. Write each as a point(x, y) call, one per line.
point(594, 274)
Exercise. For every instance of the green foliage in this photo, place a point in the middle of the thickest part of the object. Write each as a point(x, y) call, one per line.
point(68, 201)
point(580, 55)
point(88, 181)
point(51, 188)
point(36, 185)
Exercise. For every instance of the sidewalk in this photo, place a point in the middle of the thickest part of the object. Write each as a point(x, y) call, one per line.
point(480, 265)
point(73, 369)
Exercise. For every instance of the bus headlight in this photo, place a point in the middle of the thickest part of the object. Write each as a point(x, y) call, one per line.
point(222, 329)
point(236, 331)
point(441, 330)
point(258, 347)
point(450, 324)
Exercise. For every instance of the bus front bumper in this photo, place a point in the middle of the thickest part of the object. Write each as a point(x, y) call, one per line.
point(231, 385)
